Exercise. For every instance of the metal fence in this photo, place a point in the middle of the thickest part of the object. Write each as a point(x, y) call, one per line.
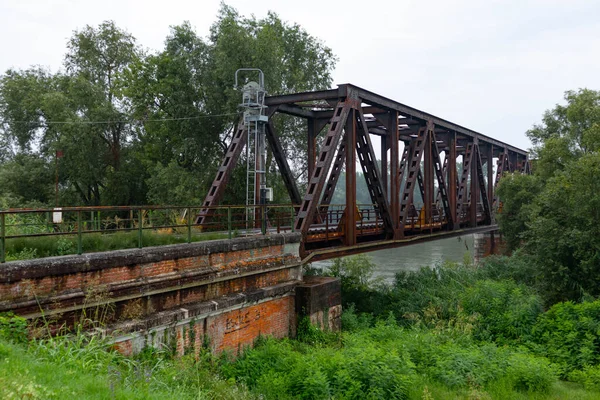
point(77, 222)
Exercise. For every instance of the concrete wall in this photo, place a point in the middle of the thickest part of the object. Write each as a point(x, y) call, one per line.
point(223, 293)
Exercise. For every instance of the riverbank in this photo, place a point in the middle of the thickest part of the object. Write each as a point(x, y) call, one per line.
point(456, 331)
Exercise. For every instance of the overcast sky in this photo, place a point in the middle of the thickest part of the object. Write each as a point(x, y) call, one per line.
point(492, 66)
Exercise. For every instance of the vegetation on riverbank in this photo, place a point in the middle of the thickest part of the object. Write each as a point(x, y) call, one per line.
point(38, 247)
point(454, 331)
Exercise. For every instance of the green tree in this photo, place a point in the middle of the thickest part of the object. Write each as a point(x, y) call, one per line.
point(518, 193)
point(136, 127)
point(567, 132)
point(80, 112)
point(556, 211)
point(190, 83)
point(564, 235)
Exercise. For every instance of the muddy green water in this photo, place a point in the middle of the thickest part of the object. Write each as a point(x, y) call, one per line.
point(411, 258)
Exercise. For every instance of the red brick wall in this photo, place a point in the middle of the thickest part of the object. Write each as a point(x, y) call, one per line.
point(148, 289)
point(237, 329)
point(232, 330)
point(70, 289)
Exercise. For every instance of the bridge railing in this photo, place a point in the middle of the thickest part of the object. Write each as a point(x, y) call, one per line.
point(33, 233)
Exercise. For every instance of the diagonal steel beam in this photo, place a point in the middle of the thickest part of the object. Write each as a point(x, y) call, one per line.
point(413, 168)
point(215, 193)
point(441, 173)
point(463, 187)
point(368, 162)
point(282, 164)
point(482, 188)
point(308, 207)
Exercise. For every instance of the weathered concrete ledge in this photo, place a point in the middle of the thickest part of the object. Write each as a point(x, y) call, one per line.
point(63, 265)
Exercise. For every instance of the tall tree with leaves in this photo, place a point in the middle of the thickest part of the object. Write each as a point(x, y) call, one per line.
point(191, 83)
point(555, 213)
point(80, 113)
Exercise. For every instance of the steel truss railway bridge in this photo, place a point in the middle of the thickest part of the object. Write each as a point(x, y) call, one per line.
point(418, 151)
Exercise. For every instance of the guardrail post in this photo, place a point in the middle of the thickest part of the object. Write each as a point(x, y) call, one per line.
point(229, 221)
point(189, 224)
point(79, 243)
point(140, 222)
point(292, 219)
point(263, 222)
point(2, 238)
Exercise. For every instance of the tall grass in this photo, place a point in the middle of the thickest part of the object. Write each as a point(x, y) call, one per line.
point(47, 246)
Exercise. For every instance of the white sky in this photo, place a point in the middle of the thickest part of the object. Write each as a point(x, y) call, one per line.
point(492, 66)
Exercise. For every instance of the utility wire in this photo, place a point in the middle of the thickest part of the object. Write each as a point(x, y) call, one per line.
point(118, 121)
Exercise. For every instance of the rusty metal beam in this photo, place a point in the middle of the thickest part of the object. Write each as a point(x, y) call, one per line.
point(217, 189)
point(481, 183)
point(350, 212)
point(394, 194)
point(474, 191)
point(304, 96)
point(374, 99)
point(463, 188)
point(452, 178)
point(441, 179)
point(282, 164)
point(368, 162)
point(413, 168)
point(316, 182)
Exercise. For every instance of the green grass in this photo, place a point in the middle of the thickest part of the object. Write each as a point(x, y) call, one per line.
point(61, 370)
point(48, 246)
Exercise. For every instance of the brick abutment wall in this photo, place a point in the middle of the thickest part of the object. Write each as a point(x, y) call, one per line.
point(224, 293)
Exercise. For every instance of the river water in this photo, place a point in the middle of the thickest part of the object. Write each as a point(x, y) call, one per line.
point(413, 257)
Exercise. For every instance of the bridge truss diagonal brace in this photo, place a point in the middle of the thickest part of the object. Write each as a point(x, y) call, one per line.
point(502, 168)
point(463, 187)
point(282, 164)
point(482, 187)
point(372, 175)
point(413, 168)
point(308, 207)
point(440, 172)
point(215, 193)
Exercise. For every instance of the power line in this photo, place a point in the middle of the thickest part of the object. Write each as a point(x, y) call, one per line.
point(119, 121)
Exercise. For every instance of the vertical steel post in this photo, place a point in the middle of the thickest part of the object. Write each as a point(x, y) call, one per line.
point(394, 193)
point(229, 221)
point(490, 174)
point(452, 189)
point(384, 165)
point(140, 222)
point(263, 224)
point(189, 224)
point(474, 191)
point(2, 238)
point(428, 178)
point(79, 241)
point(350, 234)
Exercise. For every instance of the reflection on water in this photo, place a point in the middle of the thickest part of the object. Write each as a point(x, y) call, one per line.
point(413, 257)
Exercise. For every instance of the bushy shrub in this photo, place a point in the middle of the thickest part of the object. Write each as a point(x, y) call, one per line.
point(13, 328)
point(353, 321)
point(359, 285)
point(589, 377)
point(569, 335)
point(506, 311)
point(361, 369)
point(458, 366)
point(429, 288)
point(530, 373)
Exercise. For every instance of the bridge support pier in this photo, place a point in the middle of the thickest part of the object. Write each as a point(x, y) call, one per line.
point(223, 292)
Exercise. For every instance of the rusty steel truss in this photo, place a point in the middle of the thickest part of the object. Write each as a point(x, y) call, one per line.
point(418, 152)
